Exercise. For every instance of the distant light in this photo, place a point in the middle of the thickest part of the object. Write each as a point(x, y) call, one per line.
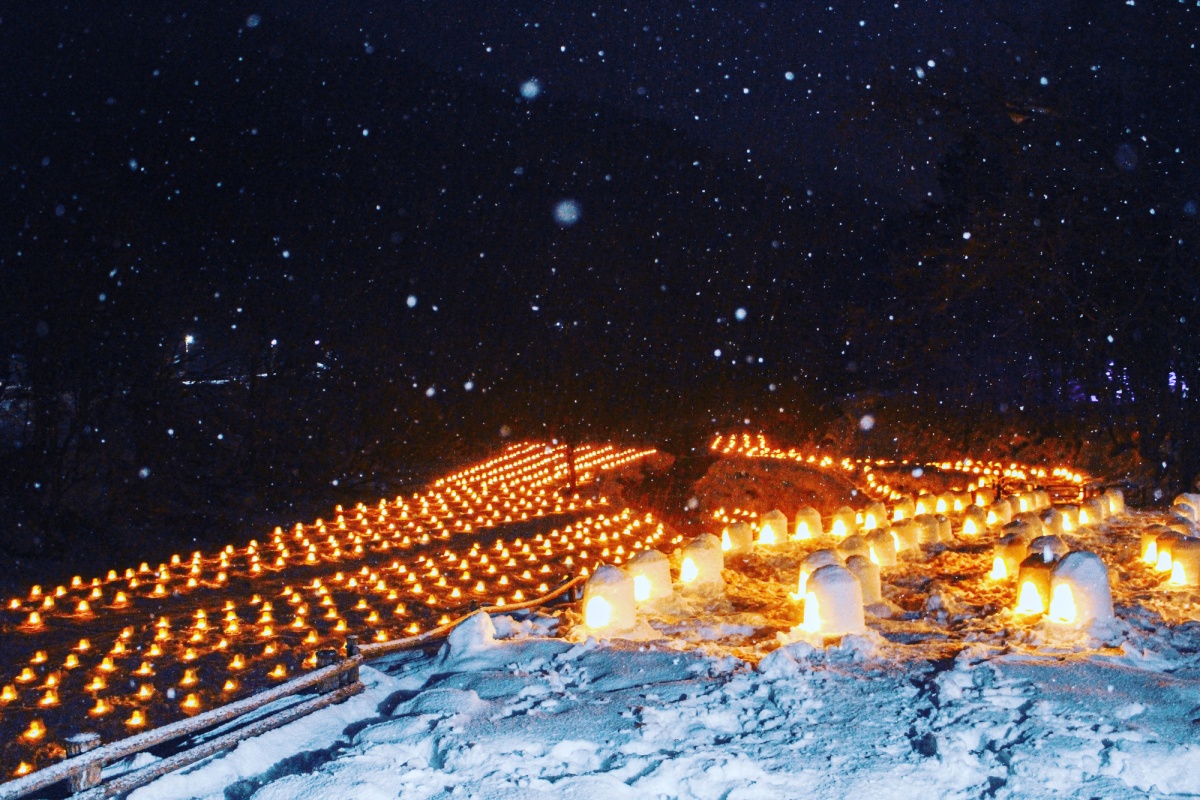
point(189, 339)
point(867, 422)
point(469, 385)
point(133, 164)
point(717, 353)
point(966, 234)
point(287, 254)
point(917, 472)
point(531, 88)
point(789, 75)
point(253, 20)
point(411, 302)
point(931, 63)
point(144, 472)
point(366, 131)
point(1044, 81)
point(740, 314)
point(567, 212)
point(430, 392)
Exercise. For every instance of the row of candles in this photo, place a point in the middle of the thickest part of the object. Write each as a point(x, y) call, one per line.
point(265, 609)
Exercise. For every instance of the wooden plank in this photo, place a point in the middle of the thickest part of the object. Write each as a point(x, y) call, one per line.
point(132, 780)
point(184, 727)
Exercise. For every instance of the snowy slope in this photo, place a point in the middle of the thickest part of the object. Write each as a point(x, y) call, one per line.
point(959, 700)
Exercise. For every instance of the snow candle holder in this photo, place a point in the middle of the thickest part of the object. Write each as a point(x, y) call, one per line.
point(808, 524)
point(773, 528)
point(928, 528)
point(854, 545)
point(974, 521)
point(1033, 585)
point(1116, 501)
point(1079, 590)
point(608, 601)
point(874, 516)
point(906, 535)
point(924, 504)
point(833, 602)
point(1053, 522)
point(811, 563)
point(700, 565)
point(1185, 563)
point(905, 508)
point(881, 547)
point(651, 574)
point(1093, 512)
point(1055, 547)
point(1164, 546)
point(1149, 543)
point(843, 523)
point(737, 538)
point(868, 579)
point(999, 514)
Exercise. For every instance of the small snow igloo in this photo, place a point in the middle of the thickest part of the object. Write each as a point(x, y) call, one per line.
point(1033, 584)
point(999, 513)
point(773, 528)
point(700, 565)
point(1116, 501)
point(843, 523)
point(811, 563)
point(651, 573)
point(737, 538)
point(1009, 552)
point(874, 515)
point(974, 521)
point(1093, 512)
point(608, 601)
point(882, 547)
point(1079, 590)
point(833, 602)
point(1185, 563)
point(868, 578)
point(904, 508)
point(808, 524)
point(906, 535)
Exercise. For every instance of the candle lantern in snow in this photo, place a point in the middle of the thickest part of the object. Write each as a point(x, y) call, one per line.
point(1033, 519)
point(737, 538)
point(1070, 514)
point(868, 578)
point(701, 563)
point(1185, 563)
point(854, 545)
point(928, 528)
point(906, 534)
point(1164, 546)
point(945, 503)
point(1116, 501)
point(1051, 548)
point(924, 504)
point(1033, 584)
point(1149, 542)
point(881, 548)
point(843, 523)
point(1079, 590)
point(1021, 503)
point(772, 528)
point(1053, 522)
point(999, 513)
point(905, 508)
point(874, 516)
point(985, 496)
point(833, 602)
point(808, 524)
point(651, 574)
point(608, 601)
point(1093, 512)
point(974, 521)
point(811, 563)
point(1192, 501)
point(1009, 552)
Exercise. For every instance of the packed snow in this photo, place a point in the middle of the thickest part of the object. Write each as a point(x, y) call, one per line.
point(723, 693)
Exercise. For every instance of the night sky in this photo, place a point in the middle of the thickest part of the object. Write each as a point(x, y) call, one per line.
point(393, 218)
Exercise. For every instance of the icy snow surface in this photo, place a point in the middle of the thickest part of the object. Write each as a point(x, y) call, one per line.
point(957, 700)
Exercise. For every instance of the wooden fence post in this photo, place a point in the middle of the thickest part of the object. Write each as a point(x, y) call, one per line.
point(327, 658)
point(351, 675)
point(89, 776)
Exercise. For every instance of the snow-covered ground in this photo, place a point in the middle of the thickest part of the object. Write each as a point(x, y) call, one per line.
point(948, 694)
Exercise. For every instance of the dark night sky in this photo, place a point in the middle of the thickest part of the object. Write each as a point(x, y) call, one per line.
point(265, 169)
